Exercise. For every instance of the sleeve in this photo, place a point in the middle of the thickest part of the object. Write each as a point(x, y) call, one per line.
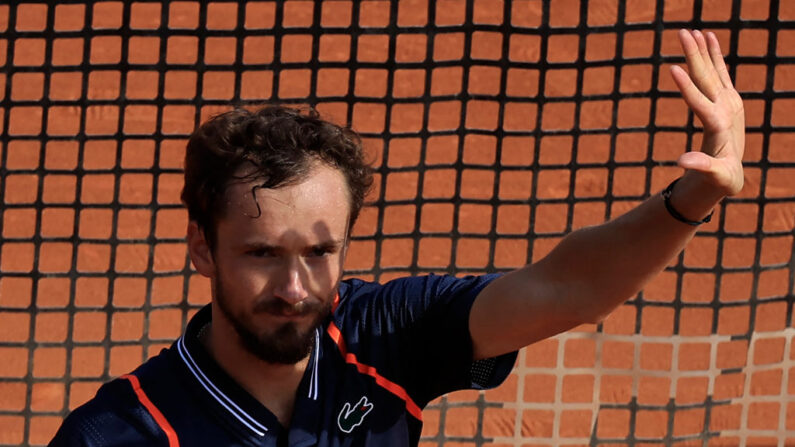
point(110, 418)
point(68, 436)
point(85, 428)
point(417, 330)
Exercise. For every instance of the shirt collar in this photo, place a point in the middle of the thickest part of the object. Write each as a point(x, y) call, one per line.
point(231, 398)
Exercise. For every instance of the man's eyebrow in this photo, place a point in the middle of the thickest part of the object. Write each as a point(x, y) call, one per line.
point(254, 244)
point(260, 246)
point(331, 243)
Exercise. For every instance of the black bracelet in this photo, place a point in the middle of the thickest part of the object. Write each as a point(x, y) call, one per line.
point(667, 200)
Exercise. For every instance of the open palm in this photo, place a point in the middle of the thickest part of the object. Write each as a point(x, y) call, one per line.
point(709, 92)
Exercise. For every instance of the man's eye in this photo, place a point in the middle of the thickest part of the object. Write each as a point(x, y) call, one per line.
point(320, 251)
point(261, 253)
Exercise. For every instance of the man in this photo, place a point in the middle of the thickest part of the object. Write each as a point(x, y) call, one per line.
point(288, 354)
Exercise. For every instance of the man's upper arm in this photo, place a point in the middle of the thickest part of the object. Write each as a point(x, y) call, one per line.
point(518, 309)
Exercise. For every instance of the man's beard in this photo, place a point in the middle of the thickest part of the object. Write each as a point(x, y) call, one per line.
point(286, 344)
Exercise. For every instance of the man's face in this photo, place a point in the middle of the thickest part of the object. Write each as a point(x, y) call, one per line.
point(277, 268)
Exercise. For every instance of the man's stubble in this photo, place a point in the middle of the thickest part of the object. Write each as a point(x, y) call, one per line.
point(287, 344)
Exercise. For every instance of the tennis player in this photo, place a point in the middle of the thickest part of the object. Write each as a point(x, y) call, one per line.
point(287, 353)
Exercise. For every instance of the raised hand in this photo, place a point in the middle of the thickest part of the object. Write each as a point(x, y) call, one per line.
point(709, 92)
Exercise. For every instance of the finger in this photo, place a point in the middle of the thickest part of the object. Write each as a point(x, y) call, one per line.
point(709, 65)
point(695, 63)
point(717, 60)
point(694, 98)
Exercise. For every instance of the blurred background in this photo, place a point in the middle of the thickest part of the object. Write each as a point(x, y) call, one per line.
point(496, 128)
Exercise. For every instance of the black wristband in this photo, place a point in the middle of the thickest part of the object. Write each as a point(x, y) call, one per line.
point(667, 201)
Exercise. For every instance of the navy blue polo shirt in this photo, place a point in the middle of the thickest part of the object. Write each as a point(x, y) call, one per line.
point(384, 353)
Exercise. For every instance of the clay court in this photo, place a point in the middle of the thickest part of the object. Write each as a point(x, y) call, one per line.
point(496, 127)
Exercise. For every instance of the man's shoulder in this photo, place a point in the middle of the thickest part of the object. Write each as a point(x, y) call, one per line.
point(110, 414)
point(355, 288)
point(115, 413)
point(359, 298)
point(405, 305)
point(422, 287)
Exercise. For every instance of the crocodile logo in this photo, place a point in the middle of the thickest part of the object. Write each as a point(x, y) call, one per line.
point(352, 416)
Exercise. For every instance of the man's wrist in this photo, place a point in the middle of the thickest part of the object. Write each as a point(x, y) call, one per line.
point(666, 195)
point(693, 197)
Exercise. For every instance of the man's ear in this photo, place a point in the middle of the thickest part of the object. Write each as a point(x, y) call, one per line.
point(200, 253)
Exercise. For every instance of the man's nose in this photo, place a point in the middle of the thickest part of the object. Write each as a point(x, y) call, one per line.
point(291, 285)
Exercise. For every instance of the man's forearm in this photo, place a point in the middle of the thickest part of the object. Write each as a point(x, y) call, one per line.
point(597, 268)
point(589, 273)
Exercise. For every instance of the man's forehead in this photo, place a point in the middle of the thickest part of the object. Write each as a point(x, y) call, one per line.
point(319, 198)
point(248, 197)
point(321, 182)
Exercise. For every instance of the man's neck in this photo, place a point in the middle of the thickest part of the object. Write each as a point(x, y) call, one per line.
point(273, 385)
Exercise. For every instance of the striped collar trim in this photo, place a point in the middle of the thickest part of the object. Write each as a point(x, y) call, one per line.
point(216, 393)
point(314, 379)
point(223, 399)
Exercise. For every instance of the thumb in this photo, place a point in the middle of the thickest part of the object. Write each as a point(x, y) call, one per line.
point(696, 161)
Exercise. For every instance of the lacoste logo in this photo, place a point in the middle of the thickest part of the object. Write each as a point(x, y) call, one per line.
point(352, 417)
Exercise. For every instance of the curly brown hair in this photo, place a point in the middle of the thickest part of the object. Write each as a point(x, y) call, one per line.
point(280, 143)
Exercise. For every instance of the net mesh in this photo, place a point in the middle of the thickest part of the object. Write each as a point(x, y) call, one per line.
point(496, 127)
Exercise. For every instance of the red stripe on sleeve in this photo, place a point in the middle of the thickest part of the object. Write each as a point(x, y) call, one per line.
point(382, 381)
point(156, 414)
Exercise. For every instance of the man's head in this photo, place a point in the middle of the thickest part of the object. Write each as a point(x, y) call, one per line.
point(271, 197)
point(273, 146)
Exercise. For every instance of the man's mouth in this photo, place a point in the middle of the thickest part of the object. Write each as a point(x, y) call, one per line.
point(278, 308)
point(288, 313)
